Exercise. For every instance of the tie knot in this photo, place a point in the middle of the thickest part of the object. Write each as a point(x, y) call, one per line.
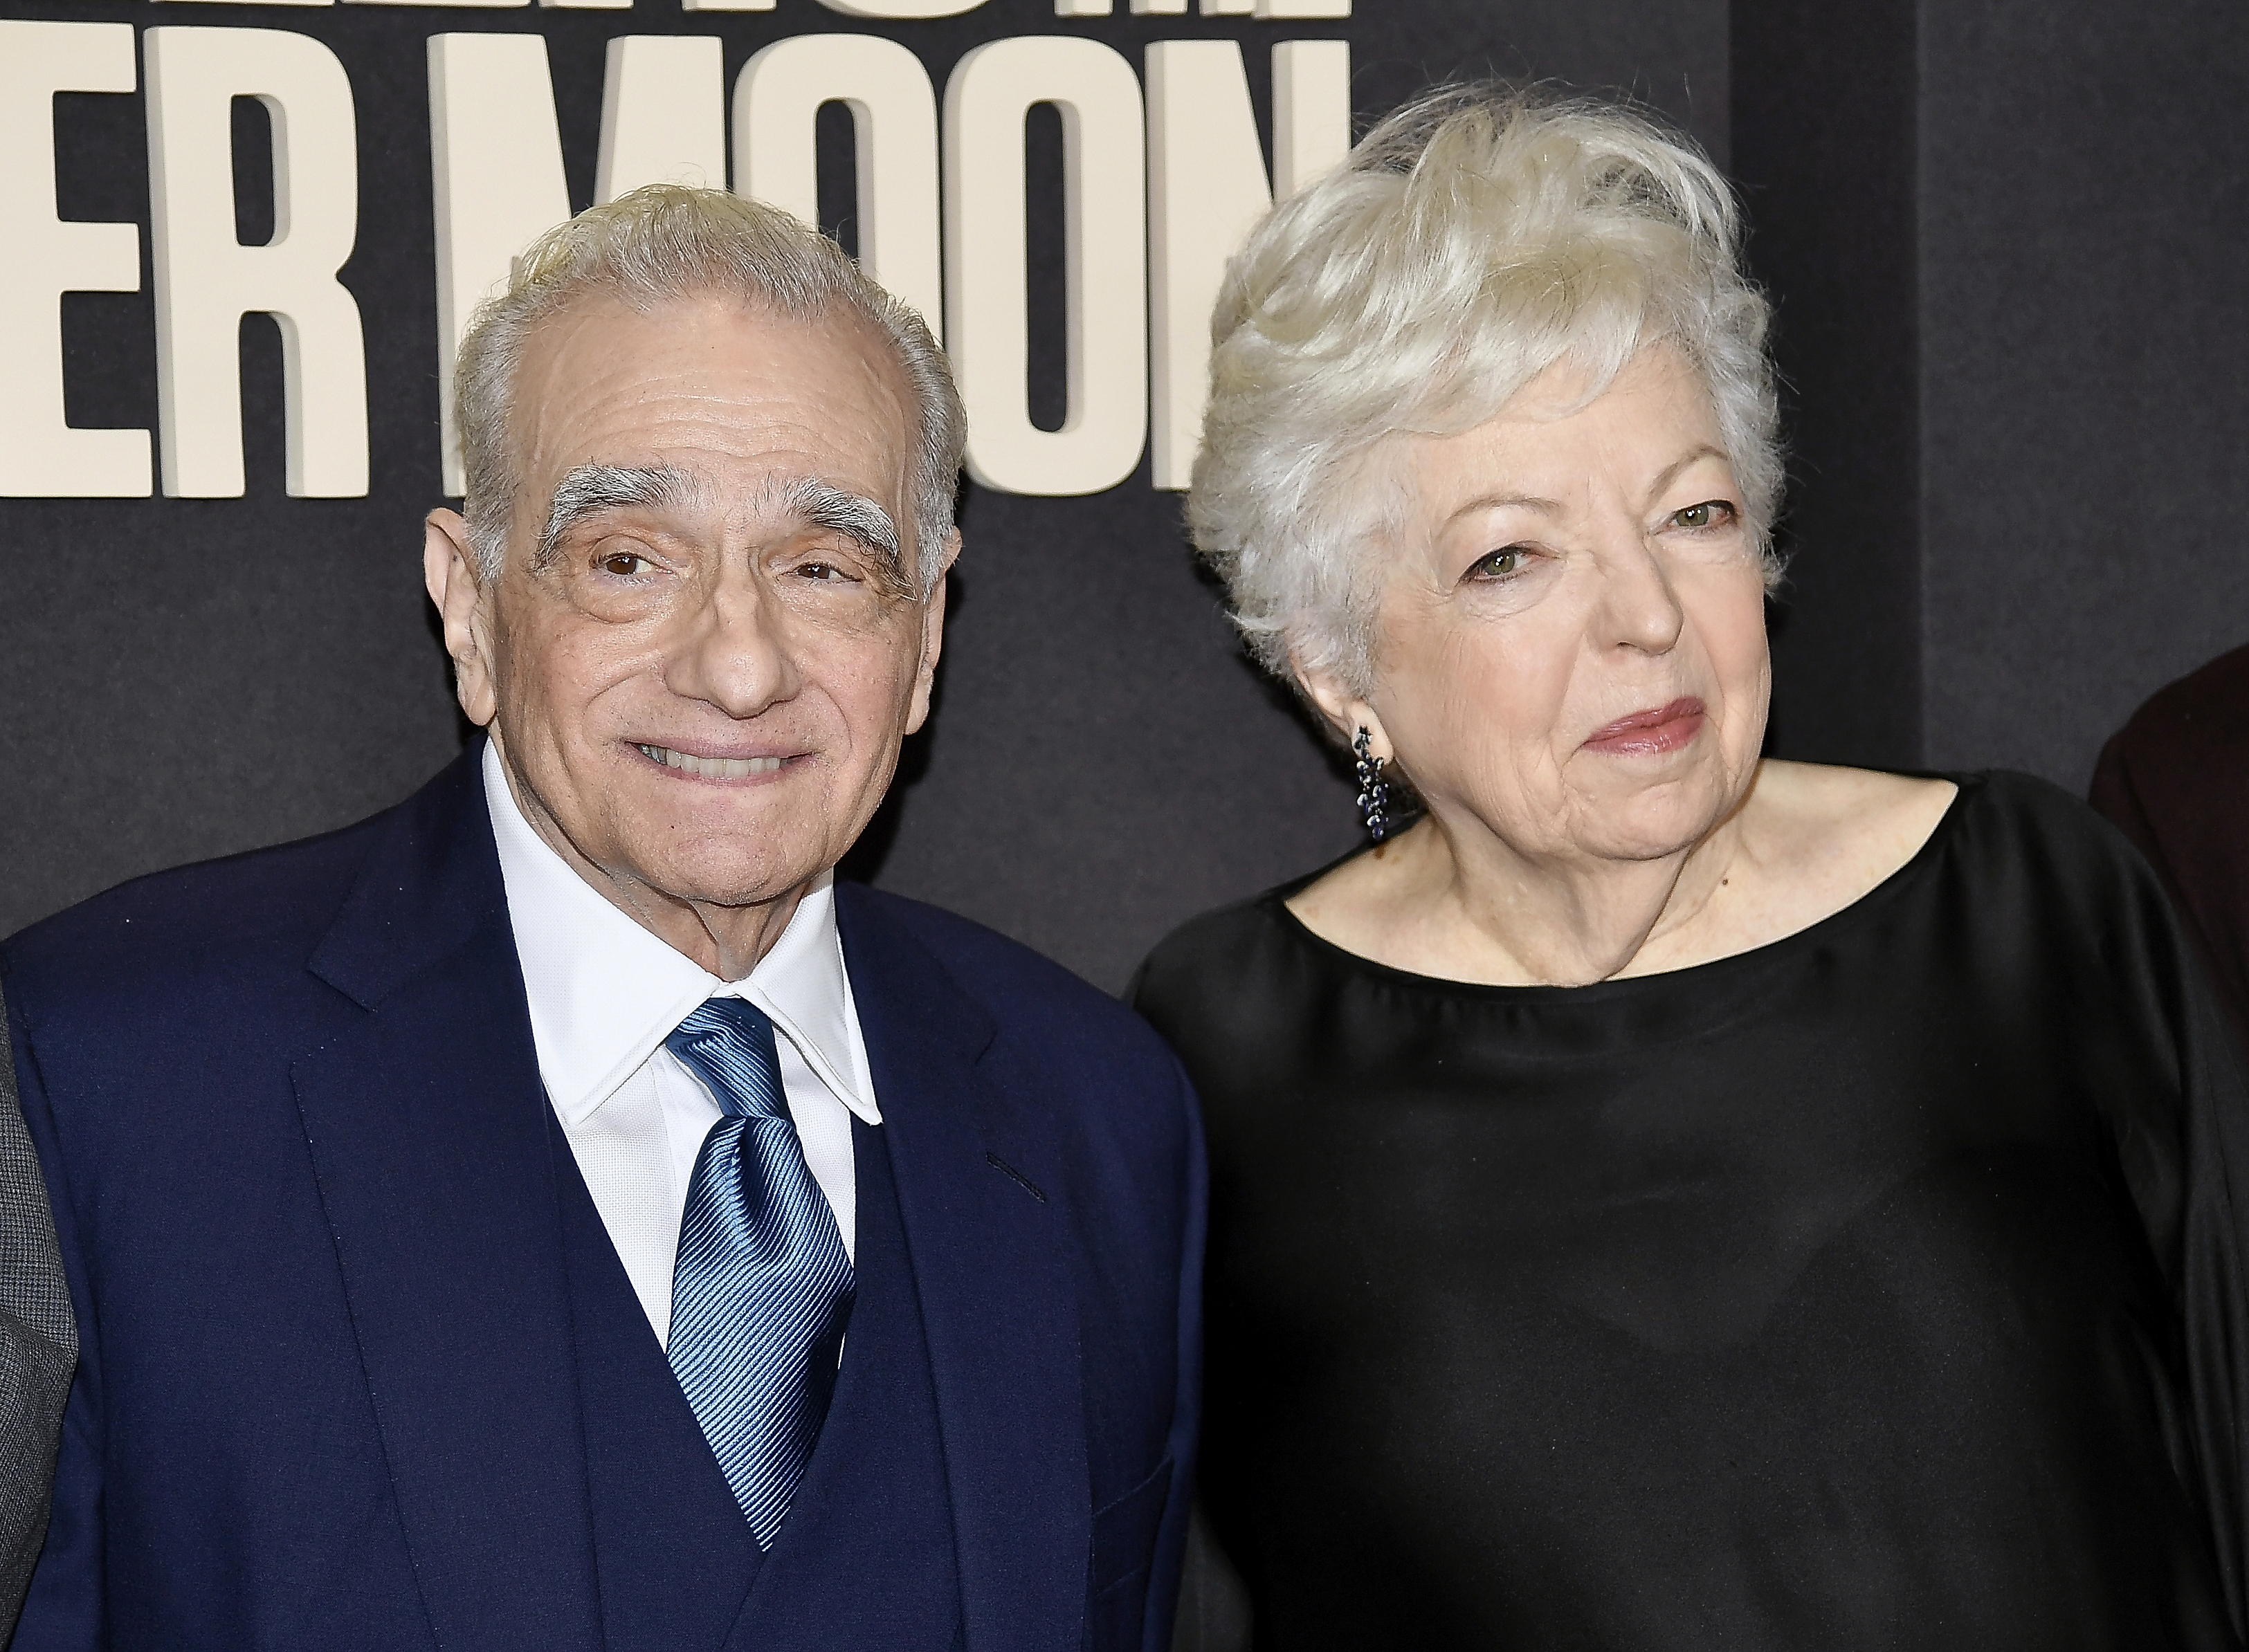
point(728, 1042)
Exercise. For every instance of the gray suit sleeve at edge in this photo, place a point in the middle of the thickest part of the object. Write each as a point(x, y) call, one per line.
point(38, 1346)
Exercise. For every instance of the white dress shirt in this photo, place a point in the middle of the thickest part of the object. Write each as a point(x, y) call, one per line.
point(605, 993)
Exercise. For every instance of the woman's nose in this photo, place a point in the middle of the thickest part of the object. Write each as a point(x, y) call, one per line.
point(1639, 609)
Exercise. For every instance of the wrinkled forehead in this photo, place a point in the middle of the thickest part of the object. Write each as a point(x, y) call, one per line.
point(722, 395)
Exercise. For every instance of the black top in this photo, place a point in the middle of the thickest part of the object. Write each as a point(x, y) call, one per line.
point(1880, 1287)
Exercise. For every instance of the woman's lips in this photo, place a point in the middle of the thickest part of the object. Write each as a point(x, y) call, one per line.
point(1652, 732)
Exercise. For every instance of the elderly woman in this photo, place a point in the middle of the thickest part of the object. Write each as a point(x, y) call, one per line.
point(1663, 1198)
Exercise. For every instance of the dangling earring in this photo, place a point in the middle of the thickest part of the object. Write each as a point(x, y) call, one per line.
point(1373, 790)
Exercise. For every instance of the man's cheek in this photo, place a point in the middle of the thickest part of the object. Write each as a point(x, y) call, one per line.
point(578, 676)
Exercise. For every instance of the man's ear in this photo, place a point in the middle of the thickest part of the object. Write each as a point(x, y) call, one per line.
point(1346, 713)
point(933, 636)
point(449, 572)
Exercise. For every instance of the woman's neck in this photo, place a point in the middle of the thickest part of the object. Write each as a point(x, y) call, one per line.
point(1477, 910)
point(1454, 900)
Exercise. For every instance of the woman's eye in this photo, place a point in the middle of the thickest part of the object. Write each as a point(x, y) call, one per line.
point(1710, 513)
point(1501, 564)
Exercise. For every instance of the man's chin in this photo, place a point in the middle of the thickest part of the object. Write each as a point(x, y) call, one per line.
point(731, 875)
point(742, 844)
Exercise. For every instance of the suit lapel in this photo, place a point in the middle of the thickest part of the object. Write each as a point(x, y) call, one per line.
point(989, 1263)
point(428, 1128)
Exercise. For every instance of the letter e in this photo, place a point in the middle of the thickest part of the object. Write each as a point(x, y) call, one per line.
point(41, 455)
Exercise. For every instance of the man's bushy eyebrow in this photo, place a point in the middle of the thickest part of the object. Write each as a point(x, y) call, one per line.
point(590, 488)
point(827, 506)
point(822, 504)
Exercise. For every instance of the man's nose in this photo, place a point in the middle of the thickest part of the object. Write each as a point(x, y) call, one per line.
point(732, 649)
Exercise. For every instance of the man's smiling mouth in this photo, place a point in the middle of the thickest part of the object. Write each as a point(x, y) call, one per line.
point(711, 768)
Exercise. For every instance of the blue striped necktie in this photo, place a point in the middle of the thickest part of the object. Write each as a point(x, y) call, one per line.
point(762, 1286)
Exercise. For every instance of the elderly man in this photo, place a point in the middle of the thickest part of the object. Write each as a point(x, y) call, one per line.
point(553, 1213)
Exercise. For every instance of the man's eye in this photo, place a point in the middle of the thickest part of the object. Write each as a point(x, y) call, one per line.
point(625, 565)
point(1501, 564)
point(826, 572)
point(1711, 513)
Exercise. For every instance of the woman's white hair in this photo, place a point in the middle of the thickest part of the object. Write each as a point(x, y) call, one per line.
point(665, 243)
point(1473, 238)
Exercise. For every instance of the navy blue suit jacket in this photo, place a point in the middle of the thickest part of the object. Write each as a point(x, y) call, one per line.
point(290, 1113)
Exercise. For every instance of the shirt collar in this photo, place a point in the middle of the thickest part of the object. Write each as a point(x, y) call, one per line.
point(604, 992)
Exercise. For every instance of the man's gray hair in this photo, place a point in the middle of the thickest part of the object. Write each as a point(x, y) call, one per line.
point(1471, 240)
point(665, 244)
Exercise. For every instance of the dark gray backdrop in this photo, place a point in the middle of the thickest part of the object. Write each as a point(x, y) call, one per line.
point(2003, 237)
point(2007, 239)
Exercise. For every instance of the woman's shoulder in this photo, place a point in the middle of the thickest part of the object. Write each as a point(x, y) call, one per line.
point(1919, 805)
point(1224, 972)
point(2032, 823)
point(2026, 801)
point(1821, 799)
point(1211, 946)
point(2001, 827)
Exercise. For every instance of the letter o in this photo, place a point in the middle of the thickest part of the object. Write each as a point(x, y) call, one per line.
point(777, 100)
point(901, 8)
point(1104, 170)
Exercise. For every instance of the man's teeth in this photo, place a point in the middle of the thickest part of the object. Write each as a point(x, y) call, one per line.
point(711, 768)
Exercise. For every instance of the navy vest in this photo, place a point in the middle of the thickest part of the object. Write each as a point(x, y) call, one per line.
point(866, 1557)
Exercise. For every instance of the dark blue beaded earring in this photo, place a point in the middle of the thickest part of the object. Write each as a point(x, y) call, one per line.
point(1373, 790)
